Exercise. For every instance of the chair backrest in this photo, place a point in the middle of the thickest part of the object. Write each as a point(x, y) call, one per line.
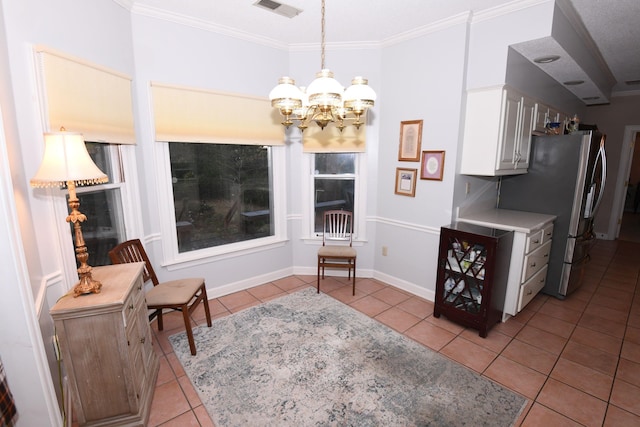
point(337, 226)
point(133, 251)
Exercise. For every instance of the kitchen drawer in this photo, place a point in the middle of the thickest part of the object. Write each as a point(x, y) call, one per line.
point(534, 240)
point(531, 288)
point(535, 260)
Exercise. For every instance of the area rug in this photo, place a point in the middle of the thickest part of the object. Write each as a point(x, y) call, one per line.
point(306, 359)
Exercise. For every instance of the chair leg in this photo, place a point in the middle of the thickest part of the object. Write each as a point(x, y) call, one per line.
point(354, 276)
point(205, 301)
point(318, 274)
point(187, 326)
point(160, 323)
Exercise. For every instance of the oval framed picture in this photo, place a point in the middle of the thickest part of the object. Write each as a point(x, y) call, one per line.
point(432, 165)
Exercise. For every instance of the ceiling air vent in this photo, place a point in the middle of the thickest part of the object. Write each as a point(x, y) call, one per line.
point(279, 8)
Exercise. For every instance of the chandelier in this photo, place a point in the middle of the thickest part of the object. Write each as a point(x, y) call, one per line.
point(325, 100)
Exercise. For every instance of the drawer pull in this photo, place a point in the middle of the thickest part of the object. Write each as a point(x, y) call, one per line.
point(529, 292)
point(536, 241)
point(533, 264)
point(546, 255)
point(142, 340)
point(139, 287)
point(131, 307)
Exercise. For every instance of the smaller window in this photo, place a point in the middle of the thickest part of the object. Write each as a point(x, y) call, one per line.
point(334, 184)
point(102, 204)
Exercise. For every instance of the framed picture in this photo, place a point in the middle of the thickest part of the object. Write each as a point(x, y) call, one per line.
point(432, 165)
point(410, 141)
point(406, 181)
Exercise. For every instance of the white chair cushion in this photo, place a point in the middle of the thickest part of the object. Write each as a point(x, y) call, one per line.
point(175, 292)
point(337, 251)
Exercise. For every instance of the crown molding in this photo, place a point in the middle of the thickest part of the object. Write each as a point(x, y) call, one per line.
point(200, 24)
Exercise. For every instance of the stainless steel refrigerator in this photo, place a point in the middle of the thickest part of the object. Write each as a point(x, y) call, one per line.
point(566, 178)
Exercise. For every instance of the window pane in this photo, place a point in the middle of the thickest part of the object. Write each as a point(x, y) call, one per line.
point(332, 194)
point(104, 226)
point(100, 155)
point(222, 194)
point(335, 163)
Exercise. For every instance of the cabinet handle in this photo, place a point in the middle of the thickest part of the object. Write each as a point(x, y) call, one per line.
point(142, 340)
point(546, 255)
point(139, 287)
point(533, 264)
point(536, 241)
point(529, 292)
point(130, 306)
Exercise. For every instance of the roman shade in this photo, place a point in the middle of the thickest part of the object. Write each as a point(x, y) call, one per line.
point(330, 140)
point(184, 114)
point(83, 97)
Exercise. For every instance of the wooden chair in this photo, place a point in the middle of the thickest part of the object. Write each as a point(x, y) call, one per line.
point(337, 250)
point(183, 295)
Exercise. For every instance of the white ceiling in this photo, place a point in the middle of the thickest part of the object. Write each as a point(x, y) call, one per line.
point(612, 24)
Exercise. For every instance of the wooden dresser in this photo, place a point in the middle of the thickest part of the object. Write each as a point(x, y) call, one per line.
point(105, 344)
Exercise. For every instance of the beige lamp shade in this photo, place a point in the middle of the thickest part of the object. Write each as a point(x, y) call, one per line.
point(66, 159)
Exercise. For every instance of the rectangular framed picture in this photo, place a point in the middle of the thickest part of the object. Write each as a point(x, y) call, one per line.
point(432, 165)
point(410, 141)
point(406, 181)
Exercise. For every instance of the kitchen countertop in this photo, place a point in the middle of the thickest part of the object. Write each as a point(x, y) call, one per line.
point(505, 219)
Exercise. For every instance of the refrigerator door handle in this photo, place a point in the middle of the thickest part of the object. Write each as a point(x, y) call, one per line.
point(602, 158)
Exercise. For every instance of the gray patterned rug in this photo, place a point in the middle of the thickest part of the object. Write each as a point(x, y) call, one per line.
point(308, 360)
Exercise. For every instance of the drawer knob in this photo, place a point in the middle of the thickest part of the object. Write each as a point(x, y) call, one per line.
point(533, 264)
point(536, 241)
point(546, 255)
point(130, 306)
point(142, 340)
point(529, 292)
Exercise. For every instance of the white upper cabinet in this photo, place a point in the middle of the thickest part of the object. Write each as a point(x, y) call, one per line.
point(497, 136)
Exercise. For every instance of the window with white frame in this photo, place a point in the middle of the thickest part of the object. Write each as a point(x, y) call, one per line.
point(102, 204)
point(334, 184)
point(222, 194)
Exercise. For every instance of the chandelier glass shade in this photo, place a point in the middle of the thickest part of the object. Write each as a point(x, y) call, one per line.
point(325, 100)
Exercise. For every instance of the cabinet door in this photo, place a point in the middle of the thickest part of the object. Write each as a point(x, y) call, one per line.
point(510, 130)
point(527, 119)
point(541, 118)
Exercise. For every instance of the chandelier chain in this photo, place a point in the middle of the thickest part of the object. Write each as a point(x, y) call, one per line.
point(322, 38)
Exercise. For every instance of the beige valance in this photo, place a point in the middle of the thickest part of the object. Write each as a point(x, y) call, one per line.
point(85, 97)
point(185, 114)
point(330, 140)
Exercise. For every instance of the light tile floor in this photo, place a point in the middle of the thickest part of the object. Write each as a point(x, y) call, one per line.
point(577, 360)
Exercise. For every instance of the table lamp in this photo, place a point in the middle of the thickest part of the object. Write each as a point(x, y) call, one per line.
point(67, 162)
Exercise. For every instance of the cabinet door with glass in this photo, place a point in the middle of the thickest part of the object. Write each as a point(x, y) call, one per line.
point(473, 265)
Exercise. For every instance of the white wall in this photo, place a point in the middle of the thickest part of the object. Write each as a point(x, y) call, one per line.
point(423, 79)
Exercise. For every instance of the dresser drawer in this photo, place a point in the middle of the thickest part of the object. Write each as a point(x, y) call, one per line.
point(531, 288)
point(133, 302)
point(534, 240)
point(535, 260)
point(547, 233)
